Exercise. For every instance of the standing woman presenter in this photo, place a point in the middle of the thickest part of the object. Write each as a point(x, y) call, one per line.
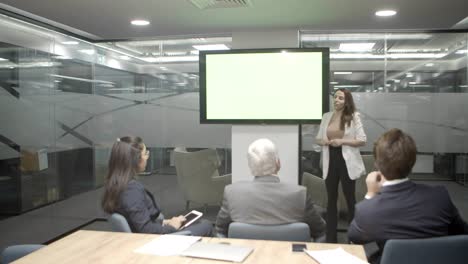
point(340, 135)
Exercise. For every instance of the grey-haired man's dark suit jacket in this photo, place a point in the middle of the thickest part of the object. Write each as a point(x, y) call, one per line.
point(266, 200)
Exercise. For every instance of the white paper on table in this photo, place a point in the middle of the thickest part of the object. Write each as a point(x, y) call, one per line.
point(334, 256)
point(167, 245)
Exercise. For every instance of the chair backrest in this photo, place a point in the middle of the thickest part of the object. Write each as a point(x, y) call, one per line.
point(13, 253)
point(195, 174)
point(368, 162)
point(315, 189)
point(448, 249)
point(119, 223)
point(286, 232)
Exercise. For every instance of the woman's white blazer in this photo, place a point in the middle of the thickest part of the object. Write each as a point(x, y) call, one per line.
point(351, 155)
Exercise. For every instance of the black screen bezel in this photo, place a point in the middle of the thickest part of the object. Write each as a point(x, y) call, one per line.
point(325, 86)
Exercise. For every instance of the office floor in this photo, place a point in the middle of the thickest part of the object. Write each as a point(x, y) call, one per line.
point(46, 223)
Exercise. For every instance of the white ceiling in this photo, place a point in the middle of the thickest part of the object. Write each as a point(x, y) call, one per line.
point(109, 19)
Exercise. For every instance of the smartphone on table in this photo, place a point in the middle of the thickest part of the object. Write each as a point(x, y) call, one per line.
point(298, 247)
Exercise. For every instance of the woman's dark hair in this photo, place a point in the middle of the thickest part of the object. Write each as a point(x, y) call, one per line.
point(348, 109)
point(123, 166)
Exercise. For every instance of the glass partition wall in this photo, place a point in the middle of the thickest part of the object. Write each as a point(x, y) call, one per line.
point(413, 81)
point(65, 101)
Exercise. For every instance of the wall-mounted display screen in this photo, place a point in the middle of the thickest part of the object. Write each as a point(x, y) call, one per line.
point(277, 86)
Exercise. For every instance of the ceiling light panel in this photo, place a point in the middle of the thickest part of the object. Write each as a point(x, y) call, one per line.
point(209, 4)
point(356, 47)
point(211, 47)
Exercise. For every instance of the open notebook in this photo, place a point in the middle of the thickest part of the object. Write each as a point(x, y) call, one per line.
point(334, 256)
point(218, 251)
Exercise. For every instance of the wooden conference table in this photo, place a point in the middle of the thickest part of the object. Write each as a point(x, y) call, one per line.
point(114, 247)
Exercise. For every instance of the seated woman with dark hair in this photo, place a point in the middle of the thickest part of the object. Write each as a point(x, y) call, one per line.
point(123, 194)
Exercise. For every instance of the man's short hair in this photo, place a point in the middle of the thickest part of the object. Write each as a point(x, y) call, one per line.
point(262, 157)
point(395, 154)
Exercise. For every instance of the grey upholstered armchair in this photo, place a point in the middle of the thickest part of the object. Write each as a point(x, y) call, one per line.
point(198, 176)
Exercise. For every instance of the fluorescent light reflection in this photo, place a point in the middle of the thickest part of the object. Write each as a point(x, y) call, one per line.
point(342, 73)
point(356, 47)
point(211, 47)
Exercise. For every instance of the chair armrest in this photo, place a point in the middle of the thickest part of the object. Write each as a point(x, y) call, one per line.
point(220, 235)
point(182, 233)
point(222, 178)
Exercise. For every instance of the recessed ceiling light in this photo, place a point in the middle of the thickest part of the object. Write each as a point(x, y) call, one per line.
point(356, 47)
point(211, 47)
point(385, 13)
point(70, 42)
point(430, 64)
point(2, 59)
point(140, 22)
point(333, 82)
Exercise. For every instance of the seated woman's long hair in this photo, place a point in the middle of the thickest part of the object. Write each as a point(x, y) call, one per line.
point(123, 166)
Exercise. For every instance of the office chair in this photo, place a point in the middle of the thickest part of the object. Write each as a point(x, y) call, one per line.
point(13, 253)
point(198, 176)
point(120, 224)
point(285, 232)
point(448, 249)
point(318, 192)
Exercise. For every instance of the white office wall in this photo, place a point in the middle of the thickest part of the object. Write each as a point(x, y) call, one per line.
point(284, 137)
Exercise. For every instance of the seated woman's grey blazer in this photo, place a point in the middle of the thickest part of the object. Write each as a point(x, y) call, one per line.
point(138, 206)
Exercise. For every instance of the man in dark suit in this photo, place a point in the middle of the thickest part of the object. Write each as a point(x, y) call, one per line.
point(397, 208)
point(266, 200)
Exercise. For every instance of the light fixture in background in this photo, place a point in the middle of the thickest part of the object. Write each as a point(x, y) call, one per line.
point(140, 22)
point(409, 75)
point(87, 51)
point(170, 59)
point(2, 59)
point(124, 57)
point(461, 51)
point(430, 64)
point(61, 57)
point(348, 86)
point(70, 42)
point(365, 37)
point(175, 53)
point(333, 82)
point(356, 47)
point(163, 68)
point(385, 13)
point(388, 56)
point(211, 47)
point(342, 73)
